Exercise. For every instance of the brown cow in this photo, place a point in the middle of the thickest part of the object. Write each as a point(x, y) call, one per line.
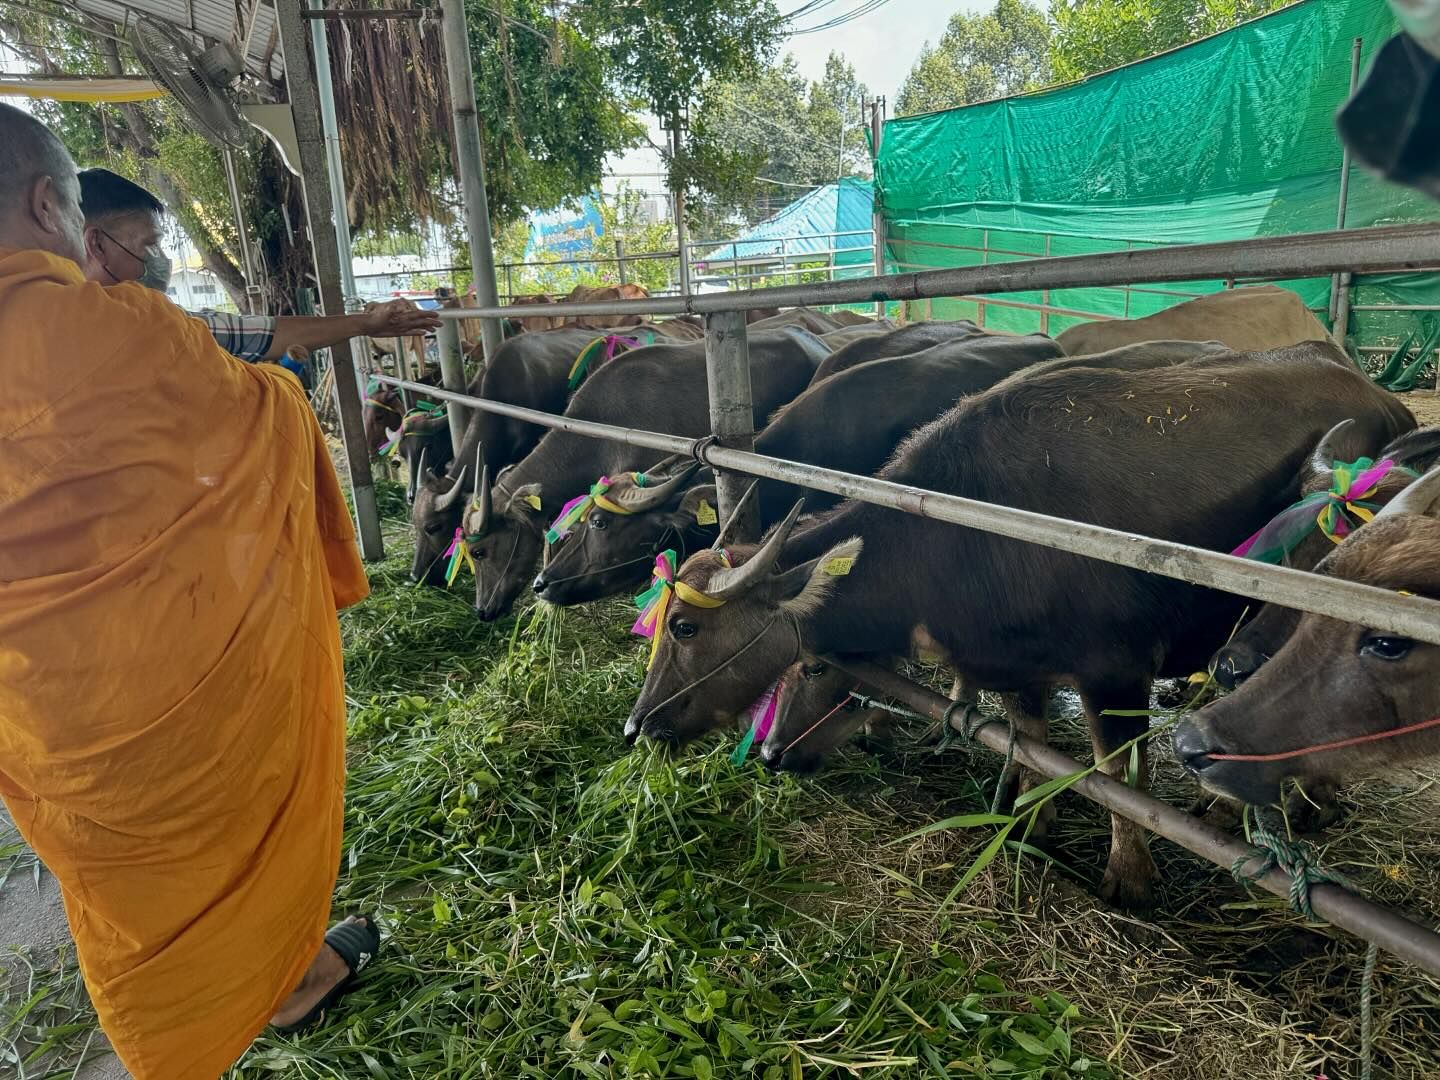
point(1339, 700)
point(1252, 319)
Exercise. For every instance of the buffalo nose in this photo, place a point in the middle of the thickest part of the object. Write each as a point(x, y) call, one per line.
point(1194, 743)
point(632, 730)
point(539, 584)
point(771, 756)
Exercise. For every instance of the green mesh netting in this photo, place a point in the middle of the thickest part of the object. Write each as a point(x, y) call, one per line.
point(1229, 138)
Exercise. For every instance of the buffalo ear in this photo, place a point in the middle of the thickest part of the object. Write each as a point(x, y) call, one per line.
point(698, 506)
point(802, 589)
point(525, 501)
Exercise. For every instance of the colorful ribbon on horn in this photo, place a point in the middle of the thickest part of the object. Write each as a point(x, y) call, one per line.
point(762, 719)
point(579, 506)
point(605, 348)
point(459, 555)
point(654, 602)
point(1337, 512)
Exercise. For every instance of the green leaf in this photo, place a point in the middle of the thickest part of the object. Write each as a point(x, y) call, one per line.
point(960, 821)
point(441, 910)
point(1030, 1044)
point(701, 1067)
point(986, 856)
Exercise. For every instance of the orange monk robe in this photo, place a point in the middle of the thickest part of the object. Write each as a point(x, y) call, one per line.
point(173, 550)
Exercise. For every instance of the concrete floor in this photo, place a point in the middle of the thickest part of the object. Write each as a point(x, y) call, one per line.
point(33, 920)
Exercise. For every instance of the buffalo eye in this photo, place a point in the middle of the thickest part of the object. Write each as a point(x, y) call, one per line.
point(682, 629)
point(814, 671)
point(1386, 648)
point(435, 528)
point(477, 553)
point(597, 521)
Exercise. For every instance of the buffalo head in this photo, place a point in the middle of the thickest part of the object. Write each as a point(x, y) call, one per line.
point(1332, 681)
point(1260, 638)
point(611, 551)
point(504, 529)
point(815, 716)
point(734, 636)
point(435, 513)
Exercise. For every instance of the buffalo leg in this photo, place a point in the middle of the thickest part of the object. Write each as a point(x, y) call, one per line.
point(1026, 710)
point(1130, 872)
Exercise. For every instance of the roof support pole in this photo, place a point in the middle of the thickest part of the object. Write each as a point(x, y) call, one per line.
point(1340, 283)
point(732, 418)
point(322, 206)
point(470, 153)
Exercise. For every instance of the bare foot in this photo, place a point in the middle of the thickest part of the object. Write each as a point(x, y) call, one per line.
point(325, 972)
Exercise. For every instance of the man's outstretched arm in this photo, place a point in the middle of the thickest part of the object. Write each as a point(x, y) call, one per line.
point(394, 318)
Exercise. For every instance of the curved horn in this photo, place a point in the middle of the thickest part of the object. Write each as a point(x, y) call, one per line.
point(643, 499)
point(446, 501)
point(1421, 497)
point(417, 470)
point(731, 583)
point(725, 535)
point(391, 434)
point(1327, 452)
point(483, 498)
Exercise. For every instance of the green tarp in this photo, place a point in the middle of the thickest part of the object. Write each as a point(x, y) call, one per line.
point(1229, 138)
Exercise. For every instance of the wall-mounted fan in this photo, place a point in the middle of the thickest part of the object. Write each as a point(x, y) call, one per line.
point(202, 82)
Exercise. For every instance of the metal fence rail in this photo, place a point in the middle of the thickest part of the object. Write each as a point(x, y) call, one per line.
point(1409, 247)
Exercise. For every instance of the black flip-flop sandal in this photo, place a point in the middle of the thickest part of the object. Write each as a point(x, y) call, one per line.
point(357, 943)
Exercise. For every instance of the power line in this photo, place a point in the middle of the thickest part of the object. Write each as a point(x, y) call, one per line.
point(861, 10)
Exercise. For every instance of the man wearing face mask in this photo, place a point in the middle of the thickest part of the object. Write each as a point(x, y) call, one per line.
point(173, 552)
point(123, 243)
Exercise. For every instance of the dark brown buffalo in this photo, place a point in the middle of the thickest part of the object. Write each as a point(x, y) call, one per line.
point(852, 422)
point(1335, 682)
point(1198, 453)
point(1261, 637)
point(662, 388)
point(902, 342)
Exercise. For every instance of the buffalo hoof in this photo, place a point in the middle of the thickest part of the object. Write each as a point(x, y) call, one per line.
point(1130, 885)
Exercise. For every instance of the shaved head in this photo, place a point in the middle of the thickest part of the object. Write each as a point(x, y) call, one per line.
point(39, 192)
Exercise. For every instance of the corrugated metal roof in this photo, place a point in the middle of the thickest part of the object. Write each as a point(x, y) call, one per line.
point(806, 226)
point(209, 21)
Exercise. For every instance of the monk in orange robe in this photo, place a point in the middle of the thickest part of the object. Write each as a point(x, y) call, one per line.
point(174, 548)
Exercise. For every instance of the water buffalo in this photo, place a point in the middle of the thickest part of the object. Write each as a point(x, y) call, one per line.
point(531, 370)
point(1199, 453)
point(1338, 700)
point(1261, 637)
point(908, 339)
point(663, 388)
point(1251, 319)
point(852, 422)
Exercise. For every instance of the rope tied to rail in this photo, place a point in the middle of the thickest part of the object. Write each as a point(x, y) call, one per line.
point(1298, 859)
point(1336, 513)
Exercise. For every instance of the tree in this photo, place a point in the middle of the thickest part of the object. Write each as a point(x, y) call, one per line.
point(792, 133)
point(980, 57)
point(1095, 35)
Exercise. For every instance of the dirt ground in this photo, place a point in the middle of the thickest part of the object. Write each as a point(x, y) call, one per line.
point(1425, 404)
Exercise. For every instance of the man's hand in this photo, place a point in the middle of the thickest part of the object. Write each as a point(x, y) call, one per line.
point(398, 318)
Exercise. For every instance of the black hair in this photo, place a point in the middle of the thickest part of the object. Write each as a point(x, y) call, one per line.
point(104, 194)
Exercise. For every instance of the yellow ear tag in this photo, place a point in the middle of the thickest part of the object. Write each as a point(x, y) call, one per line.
point(534, 501)
point(705, 514)
point(840, 566)
point(1404, 592)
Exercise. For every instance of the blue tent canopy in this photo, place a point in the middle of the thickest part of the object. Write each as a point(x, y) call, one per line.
point(805, 228)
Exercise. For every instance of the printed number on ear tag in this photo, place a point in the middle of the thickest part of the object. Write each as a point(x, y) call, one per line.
point(839, 566)
point(705, 514)
point(534, 501)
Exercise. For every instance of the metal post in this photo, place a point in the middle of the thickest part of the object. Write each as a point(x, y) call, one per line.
point(247, 256)
point(679, 191)
point(1045, 297)
point(732, 419)
point(620, 260)
point(330, 127)
point(452, 377)
point(509, 283)
point(470, 154)
point(1340, 283)
point(320, 200)
point(877, 219)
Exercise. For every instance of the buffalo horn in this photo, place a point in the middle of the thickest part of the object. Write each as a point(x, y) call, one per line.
point(417, 473)
point(727, 531)
point(446, 501)
point(731, 583)
point(1421, 497)
point(483, 498)
point(641, 500)
point(1327, 450)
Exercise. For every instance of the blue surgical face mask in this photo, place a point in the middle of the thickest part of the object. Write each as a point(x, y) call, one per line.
point(157, 270)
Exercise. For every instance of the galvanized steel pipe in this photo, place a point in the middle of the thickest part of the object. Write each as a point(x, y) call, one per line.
point(732, 415)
